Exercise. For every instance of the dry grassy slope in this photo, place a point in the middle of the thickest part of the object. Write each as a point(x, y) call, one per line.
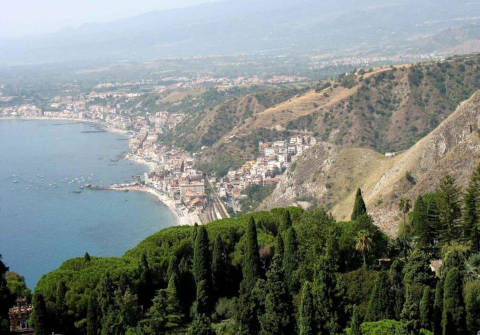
point(278, 116)
point(331, 174)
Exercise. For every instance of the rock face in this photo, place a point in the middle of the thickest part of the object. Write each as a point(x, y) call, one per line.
point(329, 174)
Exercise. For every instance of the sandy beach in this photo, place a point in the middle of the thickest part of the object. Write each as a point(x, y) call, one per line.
point(182, 217)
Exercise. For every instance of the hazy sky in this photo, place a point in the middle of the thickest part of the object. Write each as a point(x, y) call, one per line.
point(27, 17)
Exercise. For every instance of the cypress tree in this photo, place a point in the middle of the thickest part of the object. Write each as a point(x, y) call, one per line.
point(328, 296)
point(202, 271)
point(359, 207)
point(438, 308)
point(380, 302)
point(194, 233)
point(449, 210)
point(453, 316)
point(290, 259)
point(355, 323)
point(472, 306)
point(471, 230)
point(426, 312)
point(251, 263)
point(306, 312)
point(424, 221)
point(280, 249)
point(92, 311)
point(39, 315)
point(146, 289)
point(396, 278)
point(286, 222)
point(174, 315)
point(201, 257)
point(411, 313)
point(61, 307)
point(219, 267)
point(277, 318)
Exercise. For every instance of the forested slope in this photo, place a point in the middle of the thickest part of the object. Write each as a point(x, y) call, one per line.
point(286, 271)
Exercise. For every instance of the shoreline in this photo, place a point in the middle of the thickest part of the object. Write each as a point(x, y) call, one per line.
point(180, 217)
point(94, 123)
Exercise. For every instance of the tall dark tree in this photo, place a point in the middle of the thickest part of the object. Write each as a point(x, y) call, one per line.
point(61, 309)
point(438, 308)
point(92, 318)
point(286, 221)
point(219, 267)
point(359, 207)
point(278, 317)
point(174, 314)
point(40, 317)
point(306, 312)
point(472, 306)
point(251, 262)
point(328, 293)
point(146, 288)
point(453, 316)
point(471, 211)
point(426, 310)
point(411, 314)
point(355, 323)
point(396, 278)
point(202, 271)
point(280, 247)
point(425, 221)
point(105, 293)
point(380, 303)
point(86, 257)
point(449, 210)
point(201, 257)
point(250, 306)
point(166, 314)
point(404, 206)
point(290, 260)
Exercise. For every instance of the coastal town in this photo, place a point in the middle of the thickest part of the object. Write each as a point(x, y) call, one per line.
point(172, 177)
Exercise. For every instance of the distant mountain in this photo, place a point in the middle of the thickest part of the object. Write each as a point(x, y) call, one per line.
point(345, 27)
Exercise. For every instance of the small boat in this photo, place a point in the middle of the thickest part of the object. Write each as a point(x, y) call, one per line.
point(77, 191)
point(15, 181)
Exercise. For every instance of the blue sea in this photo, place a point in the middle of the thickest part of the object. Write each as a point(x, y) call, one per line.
point(42, 221)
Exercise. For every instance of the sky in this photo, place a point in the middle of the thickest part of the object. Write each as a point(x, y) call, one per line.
point(32, 17)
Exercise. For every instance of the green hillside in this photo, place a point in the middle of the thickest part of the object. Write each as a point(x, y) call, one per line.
point(286, 271)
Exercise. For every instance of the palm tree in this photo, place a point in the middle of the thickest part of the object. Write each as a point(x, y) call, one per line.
point(364, 243)
point(404, 206)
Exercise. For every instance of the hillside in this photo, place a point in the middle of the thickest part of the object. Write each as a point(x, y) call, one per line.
point(234, 276)
point(385, 109)
point(328, 175)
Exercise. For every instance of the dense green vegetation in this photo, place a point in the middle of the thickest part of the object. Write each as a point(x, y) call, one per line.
point(285, 271)
point(394, 108)
point(12, 286)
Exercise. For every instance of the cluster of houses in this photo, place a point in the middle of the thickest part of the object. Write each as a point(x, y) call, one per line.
point(274, 159)
point(174, 175)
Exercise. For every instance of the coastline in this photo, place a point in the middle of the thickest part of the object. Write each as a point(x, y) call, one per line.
point(179, 215)
point(94, 123)
point(181, 218)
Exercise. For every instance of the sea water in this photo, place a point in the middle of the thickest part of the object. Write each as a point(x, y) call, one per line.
point(45, 215)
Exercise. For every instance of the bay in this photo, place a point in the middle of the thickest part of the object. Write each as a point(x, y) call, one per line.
point(42, 221)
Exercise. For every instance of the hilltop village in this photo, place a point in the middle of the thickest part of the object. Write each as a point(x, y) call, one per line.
point(173, 178)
